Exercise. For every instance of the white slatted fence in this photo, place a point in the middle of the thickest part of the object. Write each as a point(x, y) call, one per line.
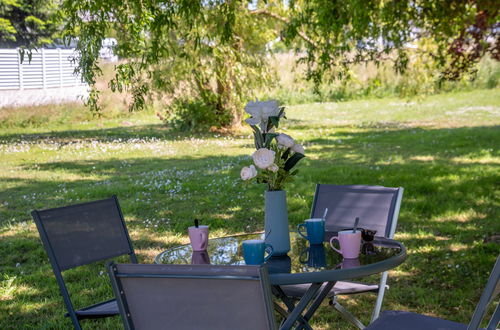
point(49, 68)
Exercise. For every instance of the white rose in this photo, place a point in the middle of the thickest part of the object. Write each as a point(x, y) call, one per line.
point(285, 140)
point(298, 149)
point(273, 168)
point(248, 173)
point(263, 158)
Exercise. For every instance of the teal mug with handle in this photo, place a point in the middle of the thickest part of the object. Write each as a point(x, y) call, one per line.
point(254, 251)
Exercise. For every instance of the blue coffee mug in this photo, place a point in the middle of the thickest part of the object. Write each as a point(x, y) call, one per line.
point(253, 251)
point(315, 230)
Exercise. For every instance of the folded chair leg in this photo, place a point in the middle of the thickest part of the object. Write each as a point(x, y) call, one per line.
point(346, 314)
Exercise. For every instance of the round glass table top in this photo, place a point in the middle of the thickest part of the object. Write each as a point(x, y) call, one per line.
point(304, 263)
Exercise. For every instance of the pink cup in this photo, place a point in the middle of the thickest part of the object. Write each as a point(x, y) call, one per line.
point(349, 242)
point(198, 237)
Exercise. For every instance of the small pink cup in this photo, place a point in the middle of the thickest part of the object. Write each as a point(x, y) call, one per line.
point(198, 237)
point(350, 243)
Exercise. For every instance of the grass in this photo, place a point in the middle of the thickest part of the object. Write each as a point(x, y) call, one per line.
point(442, 149)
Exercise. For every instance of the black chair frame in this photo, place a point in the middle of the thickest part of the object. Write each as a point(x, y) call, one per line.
point(89, 312)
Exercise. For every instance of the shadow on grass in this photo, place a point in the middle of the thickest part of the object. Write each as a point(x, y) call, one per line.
point(158, 131)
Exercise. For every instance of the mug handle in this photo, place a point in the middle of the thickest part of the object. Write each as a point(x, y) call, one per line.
point(204, 240)
point(334, 238)
point(298, 230)
point(269, 253)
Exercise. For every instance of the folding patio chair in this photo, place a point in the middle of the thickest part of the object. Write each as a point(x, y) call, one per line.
point(81, 234)
point(378, 209)
point(396, 320)
point(193, 296)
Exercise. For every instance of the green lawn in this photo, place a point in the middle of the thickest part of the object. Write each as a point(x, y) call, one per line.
point(443, 149)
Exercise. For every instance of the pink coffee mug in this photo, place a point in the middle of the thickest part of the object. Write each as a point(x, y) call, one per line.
point(198, 237)
point(350, 243)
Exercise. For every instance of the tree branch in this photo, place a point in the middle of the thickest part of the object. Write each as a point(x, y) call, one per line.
point(315, 45)
point(284, 20)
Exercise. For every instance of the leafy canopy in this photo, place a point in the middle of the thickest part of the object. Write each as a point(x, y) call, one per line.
point(28, 23)
point(211, 45)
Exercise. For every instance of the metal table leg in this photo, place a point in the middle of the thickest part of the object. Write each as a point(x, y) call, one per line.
point(290, 305)
point(296, 313)
point(316, 303)
point(319, 299)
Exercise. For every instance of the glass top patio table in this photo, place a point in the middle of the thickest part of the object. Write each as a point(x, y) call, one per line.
point(303, 264)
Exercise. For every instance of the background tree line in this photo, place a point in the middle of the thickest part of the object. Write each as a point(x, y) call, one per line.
point(205, 59)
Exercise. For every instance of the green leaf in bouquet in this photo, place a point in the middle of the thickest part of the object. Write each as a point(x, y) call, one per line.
point(290, 163)
point(258, 141)
point(269, 138)
point(273, 120)
point(282, 109)
point(294, 172)
point(281, 113)
point(255, 128)
point(286, 154)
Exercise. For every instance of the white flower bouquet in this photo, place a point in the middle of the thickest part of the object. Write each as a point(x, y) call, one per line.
point(276, 154)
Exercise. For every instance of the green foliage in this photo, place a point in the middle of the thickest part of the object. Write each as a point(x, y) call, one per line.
point(28, 23)
point(343, 32)
point(206, 55)
point(214, 50)
point(368, 80)
point(192, 115)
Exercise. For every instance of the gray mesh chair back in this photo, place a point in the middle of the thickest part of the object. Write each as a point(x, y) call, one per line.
point(192, 296)
point(396, 320)
point(81, 234)
point(377, 207)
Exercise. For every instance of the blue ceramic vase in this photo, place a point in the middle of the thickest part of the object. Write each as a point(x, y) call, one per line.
point(276, 222)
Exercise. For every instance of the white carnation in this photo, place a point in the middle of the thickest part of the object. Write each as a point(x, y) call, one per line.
point(298, 149)
point(263, 158)
point(248, 173)
point(285, 140)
